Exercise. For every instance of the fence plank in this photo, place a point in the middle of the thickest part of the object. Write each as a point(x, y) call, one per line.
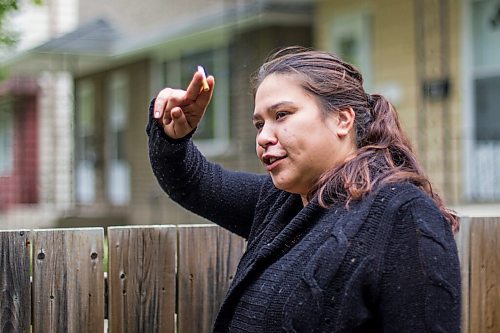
point(208, 257)
point(142, 278)
point(68, 280)
point(15, 297)
point(485, 275)
point(463, 245)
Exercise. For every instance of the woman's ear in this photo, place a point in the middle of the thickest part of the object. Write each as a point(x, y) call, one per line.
point(345, 121)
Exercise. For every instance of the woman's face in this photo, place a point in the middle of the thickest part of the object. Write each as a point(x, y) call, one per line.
point(295, 141)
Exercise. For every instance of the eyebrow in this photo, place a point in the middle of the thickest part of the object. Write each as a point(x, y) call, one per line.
point(275, 107)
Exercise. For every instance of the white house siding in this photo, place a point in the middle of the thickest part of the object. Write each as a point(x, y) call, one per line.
point(36, 25)
point(56, 139)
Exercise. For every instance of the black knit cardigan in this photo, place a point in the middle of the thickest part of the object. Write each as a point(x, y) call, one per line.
point(387, 263)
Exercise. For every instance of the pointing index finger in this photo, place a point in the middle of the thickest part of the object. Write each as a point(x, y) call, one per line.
point(204, 81)
point(195, 86)
point(206, 95)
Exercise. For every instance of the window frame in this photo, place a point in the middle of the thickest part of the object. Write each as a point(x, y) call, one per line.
point(118, 180)
point(85, 189)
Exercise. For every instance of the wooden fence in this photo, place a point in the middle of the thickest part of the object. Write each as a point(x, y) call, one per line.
point(173, 278)
point(159, 278)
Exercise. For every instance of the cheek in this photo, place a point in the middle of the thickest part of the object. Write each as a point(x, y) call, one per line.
point(292, 140)
point(258, 149)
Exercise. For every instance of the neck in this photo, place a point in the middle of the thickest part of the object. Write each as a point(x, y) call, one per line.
point(304, 200)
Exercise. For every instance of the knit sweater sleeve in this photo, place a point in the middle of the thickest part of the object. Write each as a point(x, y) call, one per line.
point(225, 197)
point(420, 286)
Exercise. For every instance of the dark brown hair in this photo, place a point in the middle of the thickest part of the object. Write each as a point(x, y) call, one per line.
point(384, 153)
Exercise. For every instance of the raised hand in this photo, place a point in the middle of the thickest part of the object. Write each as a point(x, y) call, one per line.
point(180, 111)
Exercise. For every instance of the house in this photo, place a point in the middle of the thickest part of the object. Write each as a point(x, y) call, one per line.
point(120, 59)
point(436, 61)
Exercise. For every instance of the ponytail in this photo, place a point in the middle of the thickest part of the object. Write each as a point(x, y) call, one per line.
point(384, 156)
point(384, 127)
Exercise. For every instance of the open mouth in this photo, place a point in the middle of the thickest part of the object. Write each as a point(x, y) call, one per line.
point(271, 160)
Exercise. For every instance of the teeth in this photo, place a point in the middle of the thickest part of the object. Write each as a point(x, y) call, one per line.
point(271, 160)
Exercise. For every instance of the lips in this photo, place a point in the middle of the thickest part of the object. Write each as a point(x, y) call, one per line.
point(270, 161)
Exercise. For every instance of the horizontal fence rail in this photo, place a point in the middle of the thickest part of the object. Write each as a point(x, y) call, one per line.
point(173, 278)
point(159, 278)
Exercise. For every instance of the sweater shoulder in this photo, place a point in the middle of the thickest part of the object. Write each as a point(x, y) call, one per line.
point(412, 213)
point(399, 195)
point(401, 189)
point(392, 203)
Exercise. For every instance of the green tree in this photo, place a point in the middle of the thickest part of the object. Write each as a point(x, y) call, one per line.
point(8, 37)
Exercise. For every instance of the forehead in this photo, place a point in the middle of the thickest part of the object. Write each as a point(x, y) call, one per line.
point(276, 80)
point(278, 88)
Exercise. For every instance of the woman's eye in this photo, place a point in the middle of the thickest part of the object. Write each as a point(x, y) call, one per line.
point(281, 114)
point(258, 125)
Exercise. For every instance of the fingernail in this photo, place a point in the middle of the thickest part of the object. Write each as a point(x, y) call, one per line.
point(157, 114)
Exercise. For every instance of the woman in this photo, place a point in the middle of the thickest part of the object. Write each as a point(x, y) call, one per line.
point(345, 233)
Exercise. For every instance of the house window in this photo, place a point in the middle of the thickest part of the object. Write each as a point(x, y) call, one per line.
point(351, 40)
point(485, 179)
point(212, 134)
point(118, 170)
point(488, 109)
point(487, 69)
point(85, 143)
point(6, 142)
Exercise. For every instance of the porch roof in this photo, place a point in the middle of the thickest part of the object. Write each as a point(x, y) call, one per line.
point(86, 47)
point(98, 44)
point(93, 38)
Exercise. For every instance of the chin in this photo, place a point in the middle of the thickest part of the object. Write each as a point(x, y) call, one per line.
point(280, 185)
point(284, 186)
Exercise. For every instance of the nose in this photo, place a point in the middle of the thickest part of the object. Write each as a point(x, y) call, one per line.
point(266, 137)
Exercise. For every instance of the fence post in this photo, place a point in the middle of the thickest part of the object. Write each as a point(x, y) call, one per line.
point(68, 280)
point(15, 296)
point(141, 278)
point(208, 257)
point(485, 274)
